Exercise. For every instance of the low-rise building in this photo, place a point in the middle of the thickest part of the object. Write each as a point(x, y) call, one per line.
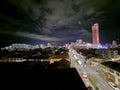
point(111, 72)
point(105, 53)
point(58, 58)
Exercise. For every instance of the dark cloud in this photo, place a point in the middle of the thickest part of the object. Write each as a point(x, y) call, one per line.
point(58, 20)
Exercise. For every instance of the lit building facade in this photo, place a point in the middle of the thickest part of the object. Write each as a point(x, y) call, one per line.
point(95, 33)
point(107, 53)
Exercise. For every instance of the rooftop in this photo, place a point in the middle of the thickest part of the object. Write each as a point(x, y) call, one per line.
point(113, 65)
point(54, 79)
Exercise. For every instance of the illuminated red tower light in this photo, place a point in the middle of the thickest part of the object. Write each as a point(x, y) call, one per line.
point(95, 33)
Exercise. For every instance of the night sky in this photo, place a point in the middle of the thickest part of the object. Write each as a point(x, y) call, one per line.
point(58, 21)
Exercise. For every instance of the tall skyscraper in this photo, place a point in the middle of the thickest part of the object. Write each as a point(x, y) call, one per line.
point(95, 33)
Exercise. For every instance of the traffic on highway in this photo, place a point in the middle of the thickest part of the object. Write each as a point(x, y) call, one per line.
point(92, 78)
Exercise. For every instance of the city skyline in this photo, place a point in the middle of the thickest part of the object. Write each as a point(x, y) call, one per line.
point(57, 21)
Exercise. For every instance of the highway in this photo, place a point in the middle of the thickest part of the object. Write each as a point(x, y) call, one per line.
point(93, 75)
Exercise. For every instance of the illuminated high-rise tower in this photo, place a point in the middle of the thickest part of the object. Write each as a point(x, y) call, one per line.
point(95, 33)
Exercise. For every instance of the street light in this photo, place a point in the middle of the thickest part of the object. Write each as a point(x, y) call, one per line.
point(50, 58)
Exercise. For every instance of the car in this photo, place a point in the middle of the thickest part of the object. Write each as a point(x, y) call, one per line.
point(113, 86)
point(76, 57)
point(79, 62)
point(84, 74)
point(89, 88)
